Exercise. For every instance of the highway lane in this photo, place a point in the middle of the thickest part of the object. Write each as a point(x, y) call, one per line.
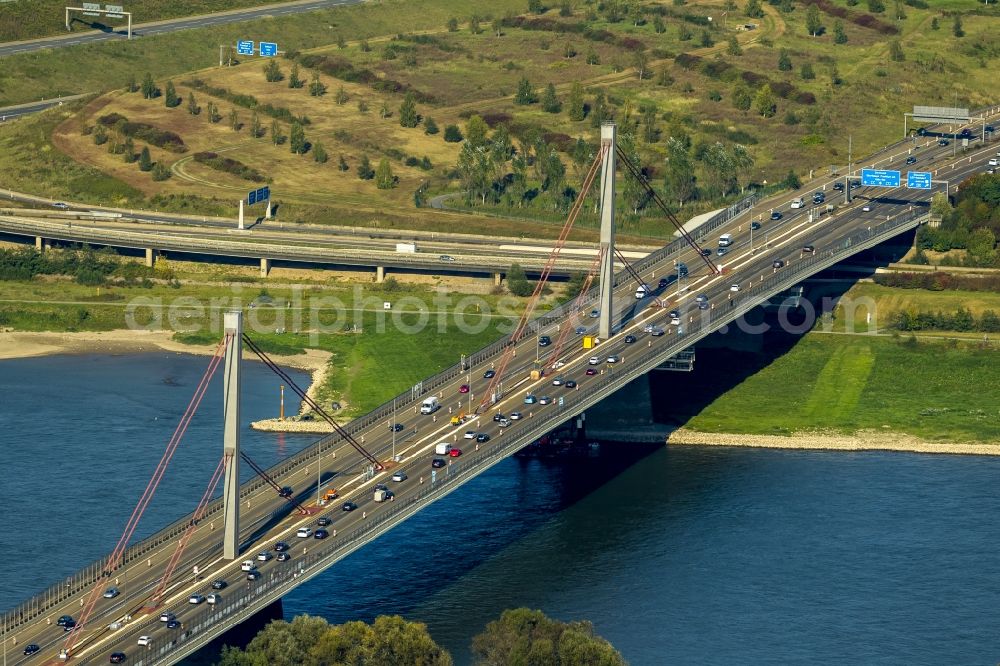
point(745, 266)
point(170, 25)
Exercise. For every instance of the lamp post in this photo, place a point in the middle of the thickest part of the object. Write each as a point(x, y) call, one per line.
point(394, 429)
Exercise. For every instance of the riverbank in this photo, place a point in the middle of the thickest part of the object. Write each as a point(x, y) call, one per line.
point(863, 440)
point(21, 344)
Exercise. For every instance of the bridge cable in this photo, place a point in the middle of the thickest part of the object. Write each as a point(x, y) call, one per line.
point(116, 557)
point(182, 543)
point(635, 276)
point(262, 473)
point(564, 329)
point(312, 403)
point(542, 279)
point(655, 196)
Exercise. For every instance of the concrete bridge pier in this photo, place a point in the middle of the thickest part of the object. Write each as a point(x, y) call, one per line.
point(607, 274)
point(150, 257)
point(265, 266)
point(497, 279)
point(39, 243)
point(231, 434)
point(380, 274)
point(625, 416)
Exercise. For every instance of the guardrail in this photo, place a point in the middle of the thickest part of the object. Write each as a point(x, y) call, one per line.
point(238, 605)
point(84, 578)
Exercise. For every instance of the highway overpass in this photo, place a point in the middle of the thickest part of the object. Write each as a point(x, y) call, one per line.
point(752, 274)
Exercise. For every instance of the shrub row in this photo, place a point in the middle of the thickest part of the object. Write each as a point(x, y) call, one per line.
point(151, 134)
point(863, 20)
point(342, 69)
point(959, 320)
point(546, 24)
point(248, 101)
point(938, 281)
point(229, 165)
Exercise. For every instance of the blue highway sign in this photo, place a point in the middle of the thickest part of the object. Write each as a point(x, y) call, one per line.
point(918, 180)
point(244, 47)
point(258, 196)
point(879, 178)
point(268, 49)
point(252, 197)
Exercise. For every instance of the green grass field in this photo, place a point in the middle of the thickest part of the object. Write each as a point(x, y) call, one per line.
point(838, 383)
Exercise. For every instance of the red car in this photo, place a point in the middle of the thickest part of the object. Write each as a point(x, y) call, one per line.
point(454, 453)
point(591, 371)
point(464, 388)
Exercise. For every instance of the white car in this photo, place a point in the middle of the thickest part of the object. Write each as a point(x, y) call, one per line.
point(167, 616)
point(595, 360)
point(469, 434)
point(648, 328)
point(514, 416)
point(868, 207)
point(675, 321)
point(994, 161)
point(264, 555)
point(399, 476)
point(145, 641)
point(111, 593)
point(196, 599)
point(797, 203)
point(558, 364)
point(303, 533)
point(213, 599)
point(614, 359)
point(248, 565)
point(734, 287)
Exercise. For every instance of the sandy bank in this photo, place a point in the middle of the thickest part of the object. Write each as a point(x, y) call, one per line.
point(18, 344)
point(864, 440)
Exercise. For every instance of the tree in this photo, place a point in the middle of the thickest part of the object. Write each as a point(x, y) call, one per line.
point(839, 35)
point(276, 136)
point(430, 127)
point(384, 111)
point(599, 113)
point(523, 636)
point(814, 23)
point(319, 153)
point(764, 102)
point(193, 107)
point(297, 139)
point(706, 39)
point(525, 93)
point(408, 116)
point(896, 51)
point(160, 171)
point(100, 135)
point(213, 113)
point(255, 128)
point(876, 6)
point(342, 164)
point(452, 24)
point(517, 284)
point(131, 85)
point(806, 72)
point(565, 9)
point(474, 26)
point(659, 27)
point(742, 97)
point(592, 57)
point(935, 25)
point(384, 180)
point(272, 73)
point(452, 134)
point(234, 120)
point(129, 152)
point(475, 131)
point(641, 63)
point(734, 48)
point(293, 78)
point(956, 27)
point(785, 59)
point(753, 9)
point(536, 7)
point(575, 108)
point(149, 89)
point(341, 97)
point(316, 88)
point(550, 103)
point(365, 170)
point(145, 161)
point(362, 106)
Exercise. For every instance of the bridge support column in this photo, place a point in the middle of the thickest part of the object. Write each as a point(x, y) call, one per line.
point(380, 274)
point(231, 434)
point(607, 274)
point(265, 266)
point(497, 279)
point(38, 243)
point(150, 257)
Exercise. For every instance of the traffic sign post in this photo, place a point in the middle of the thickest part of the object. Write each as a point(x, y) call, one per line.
point(918, 180)
point(879, 178)
point(244, 47)
point(268, 49)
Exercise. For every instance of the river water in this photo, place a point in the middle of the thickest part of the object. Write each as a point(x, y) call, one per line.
point(692, 556)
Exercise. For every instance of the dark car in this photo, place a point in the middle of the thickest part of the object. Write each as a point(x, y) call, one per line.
point(943, 142)
point(590, 371)
point(498, 416)
point(990, 128)
point(778, 263)
point(682, 269)
point(174, 624)
point(855, 184)
point(965, 134)
point(703, 306)
point(219, 584)
point(629, 339)
point(253, 574)
point(62, 621)
point(349, 506)
point(662, 283)
point(482, 437)
point(31, 649)
point(656, 332)
point(321, 534)
point(69, 625)
point(755, 225)
point(570, 383)
point(285, 491)
point(324, 521)
point(396, 427)
point(705, 252)
point(776, 215)
point(285, 557)
point(280, 547)
point(808, 249)
point(819, 198)
point(117, 658)
point(911, 160)
point(463, 389)
point(489, 374)
point(839, 186)
point(544, 341)
point(437, 463)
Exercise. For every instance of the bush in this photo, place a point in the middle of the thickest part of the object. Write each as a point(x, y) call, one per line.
point(229, 165)
point(452, 134)
point(161, 171)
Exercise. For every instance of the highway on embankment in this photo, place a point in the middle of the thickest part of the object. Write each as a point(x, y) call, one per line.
point(750, 274)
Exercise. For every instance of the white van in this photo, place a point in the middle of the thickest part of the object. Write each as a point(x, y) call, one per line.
point(248, 565)
point(725, 240)
point(442, 448)
point(430, 405)
point(642, 292)
point(797, 203)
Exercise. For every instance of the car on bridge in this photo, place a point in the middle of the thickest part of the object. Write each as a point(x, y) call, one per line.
point(722, 251)
point(111, 593)
point(280, 547)
point(544, 341)
point(544, 400)
point(514, 416)
point(264, 556)
point(594, 360)
point(839, 186)
point(302, 533)
point(629, 339)
point(196, 599)
point(173, 624)
point(31, 649)
point(701, 298)
point(60, 205)
point(349, 506)
point(167, 616)
point(868, 207)
point(396, 427)
point(324, 521)
point(213, 599)
point(253, 574)
point(530, 399)
point(437, 463)
point(656, 332)
point(446, 257)
point(64, 620)
point(705, 252)
point(591, 371)
point(463, 389)
point(570, 384)
point(993, 162)
point(469, 434)
point(614, 358)
point(498, 416)
point(321, 534)
point(778, 263)
point(144, 641)
point(285, 491)
point(557, 381)
point(755, 225)
point(664, 282)
point(944, 142)
point(911, 159)
point(282, 557)
point(808, 249)
point(117, 658)
point(855, 184)
point(455, 452)
point(595, 313)
point(734, 287)
point(219, 584)
point(580, 330)
point(489, 374)
point(482, 437)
